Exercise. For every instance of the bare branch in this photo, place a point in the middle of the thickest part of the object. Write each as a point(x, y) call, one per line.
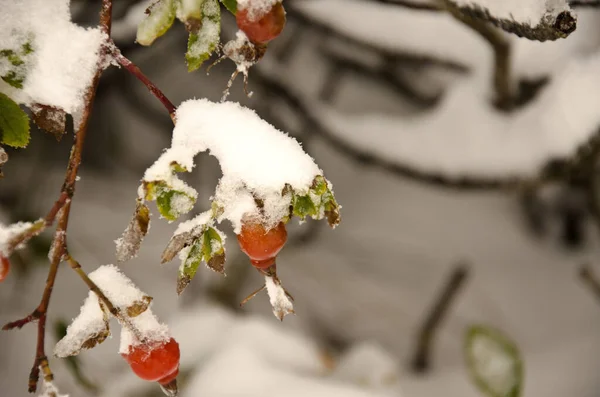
point(413, 5)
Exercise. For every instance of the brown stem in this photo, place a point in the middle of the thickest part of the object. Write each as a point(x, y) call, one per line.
point(62, 208)
point(421, 360)
point(415, 5)
point(102, 297)
point(502, 78)
point(134, 70)
point(589, 278)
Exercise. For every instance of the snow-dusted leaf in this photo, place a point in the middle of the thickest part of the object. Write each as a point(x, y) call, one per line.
point(117, 287)
point(494, 362)
point(231, 5)
point(208, 248)
point(279, 298)
point(87, 330)
point(171, 202)
point(129, 244)
point(3, 159)
point(14, 123)
point(14, 62)
point(139, 306)
point(186, 233)
point(204, 34)
point(318, 202)
point(175, 245)
point(50, 119)
point(159, 18)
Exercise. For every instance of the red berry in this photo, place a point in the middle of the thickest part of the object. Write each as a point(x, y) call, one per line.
point(262, 28)
point(4, 267)
point(158, 362)
point(260, 245)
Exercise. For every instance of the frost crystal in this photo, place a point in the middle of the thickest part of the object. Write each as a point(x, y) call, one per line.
point(7, 233)
point(256, 8)
point(58, 58)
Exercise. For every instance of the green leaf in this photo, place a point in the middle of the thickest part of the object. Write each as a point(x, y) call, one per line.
point(159, 18)
point(213, 251)
point(494, 362)
point(231, 5)
point(204, 34)
point(171, 203)
point(304, 206)
point(189, 266)
point(14, 123)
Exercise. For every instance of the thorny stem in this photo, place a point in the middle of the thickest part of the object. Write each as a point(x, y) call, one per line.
point(502, 77)
point(589, 278)
point(421, 360)
point(134, 70)
point(62, 208)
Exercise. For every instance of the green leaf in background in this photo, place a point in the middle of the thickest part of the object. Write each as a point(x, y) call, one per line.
point(16, 62)
point(494, 362)
point(231, 5)
point(159, 18)
point(205, 34)
point(171, 202)
point(14, 123)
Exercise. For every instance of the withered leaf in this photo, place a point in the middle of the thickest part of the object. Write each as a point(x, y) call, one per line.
point(217, 263)
point(182, 282)
point(3, 160)
point(50, 119)
point(96, 339)
point(176, 244)
point(130, 242)
point(138, 307)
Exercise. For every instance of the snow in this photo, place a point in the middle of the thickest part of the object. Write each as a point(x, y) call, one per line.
point(256, 8)
point(50, 390)
point(493, 364)
point(7, 233)
point(530, 12)
point(65, 56)
point(256, 159)
point(465, 136)
point(280, 302)
point(117, 287)
point(196, 222)
point(148, 326)
point(91, 322)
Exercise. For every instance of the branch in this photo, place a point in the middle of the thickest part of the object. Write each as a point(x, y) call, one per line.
point(589, 278)
point(503, 86)
point(62, 208)
point(134, 70)
point(412, 5)
point(555, 28)
point(421, 360)
point(584, 3)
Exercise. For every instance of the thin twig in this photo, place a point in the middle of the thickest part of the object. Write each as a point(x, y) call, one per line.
point(421, 360)
point(134, 70)
point(584, 3)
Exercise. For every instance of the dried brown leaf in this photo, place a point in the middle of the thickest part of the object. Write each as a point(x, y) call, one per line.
point(217, 263)
point(138, 307)
point(130, 242)
point(50, 119)
point(176, 244)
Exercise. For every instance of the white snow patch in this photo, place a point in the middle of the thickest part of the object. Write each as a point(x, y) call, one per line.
point(256, 8)
point(280, 302)
point(255, 158)
point(91, 321)
point(466, 136)
point(50, 390)
point(117, 287)
point(7, 233)
point(65, 56)
point(148, 326)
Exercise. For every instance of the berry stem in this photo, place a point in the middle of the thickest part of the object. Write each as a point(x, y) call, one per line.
point(135, 70)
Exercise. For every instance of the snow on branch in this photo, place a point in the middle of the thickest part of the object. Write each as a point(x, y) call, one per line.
point(466, 138)
point(539, 20)
point(44, 57)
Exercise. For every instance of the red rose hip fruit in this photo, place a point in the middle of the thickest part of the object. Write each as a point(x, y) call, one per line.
point(260, 245)
point(262, 28)
point(157, 362)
